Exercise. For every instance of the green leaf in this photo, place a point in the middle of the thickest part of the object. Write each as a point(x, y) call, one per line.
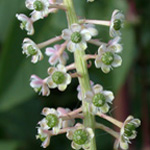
point(8, 145)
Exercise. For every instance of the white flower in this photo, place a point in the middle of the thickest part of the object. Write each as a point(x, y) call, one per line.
point(31, 49)
point(107, 56)
point(80, 92)
point(43, 136)
point(63, 112)
point(52, 119)
point(39, 7)
point(116, 24)
point(76, 37)
point(26, 23)
point(80, 137)
point(39, 85)
point(58, 77)
point(128, 132)
point(99, 99)
point(55, 55)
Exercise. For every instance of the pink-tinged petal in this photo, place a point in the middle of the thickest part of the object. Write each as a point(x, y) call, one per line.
point(62, 111)
point(57, 47)
point(75, 27)
point(45, 90)
point(50, 51)
point(53, 59)
point(66, 34)
point(46, 142)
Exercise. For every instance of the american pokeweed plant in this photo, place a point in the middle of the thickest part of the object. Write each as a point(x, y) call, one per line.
point(96, 101)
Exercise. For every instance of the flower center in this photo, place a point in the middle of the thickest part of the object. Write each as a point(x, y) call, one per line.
point(129, 129)
point(52, 120)
point(76, 37)
point(31, 50)
point(23, 24)
point(58, 77)
point(117, 24)
point(38, 5)
point(99, 100)
point(80, 136)
point(107, 58)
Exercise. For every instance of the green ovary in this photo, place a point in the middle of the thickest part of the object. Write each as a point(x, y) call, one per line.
point(58, 77)
point(117, 24)
point(31, 50)
point(52, 120)
point(80, 136)
point(38, 5)
point(129, 128)
point(99, 100)
point(107, 58)
point(76, 37)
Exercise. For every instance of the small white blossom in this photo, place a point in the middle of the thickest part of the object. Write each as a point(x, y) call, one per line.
point(58, 77)
point(116, 24)
point(39, 7)
point(26, 23)
point(43, 136)
point(31, 49)
point(107, 55)
point(39, 85)
point(63, 112)
point(128, 132)
point(52, 120)
point(80, 137)
point(99, 99)
point(77, 37)
point(55, 56)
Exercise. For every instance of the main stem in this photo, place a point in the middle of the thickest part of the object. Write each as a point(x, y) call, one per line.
point(81, 67)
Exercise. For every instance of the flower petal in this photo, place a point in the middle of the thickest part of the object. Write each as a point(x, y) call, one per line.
point(75, 27)
point(97, 88)
point(62, 87)
point(117, 61)
point(105, 68)
point(66, 34)
point(105, 108)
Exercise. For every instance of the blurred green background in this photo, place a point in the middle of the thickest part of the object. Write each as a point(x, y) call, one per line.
point(20, 107)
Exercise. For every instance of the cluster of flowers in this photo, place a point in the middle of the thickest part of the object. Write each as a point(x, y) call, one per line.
point(76, 37)
point(59, 121)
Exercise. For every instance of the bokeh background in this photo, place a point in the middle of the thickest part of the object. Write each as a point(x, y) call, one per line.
point(20, 106)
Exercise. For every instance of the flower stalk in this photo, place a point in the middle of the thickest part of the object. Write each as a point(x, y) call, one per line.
point(81, 67)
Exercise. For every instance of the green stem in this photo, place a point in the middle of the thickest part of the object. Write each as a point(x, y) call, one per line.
point(81, 67)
